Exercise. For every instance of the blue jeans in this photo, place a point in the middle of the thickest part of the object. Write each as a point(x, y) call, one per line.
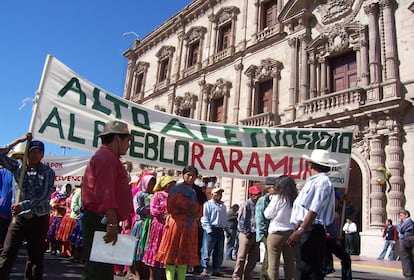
point(388, 243)
point(231, 244)
point(213, 243)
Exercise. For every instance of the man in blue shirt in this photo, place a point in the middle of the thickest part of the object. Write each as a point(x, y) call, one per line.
point(214, 223)
point(31, 210)
point(312, 211)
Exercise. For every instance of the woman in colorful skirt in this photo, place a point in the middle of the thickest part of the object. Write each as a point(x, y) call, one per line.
point(58, 205)
point(75, 237)
point(142, 223)
point(179, 244)
point(66, 226)
point(158, 208)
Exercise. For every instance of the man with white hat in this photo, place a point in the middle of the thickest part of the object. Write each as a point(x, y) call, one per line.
point(313, 209)
point(214, 223)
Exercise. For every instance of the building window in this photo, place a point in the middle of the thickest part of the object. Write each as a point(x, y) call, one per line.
point(163, 69)
point(165, 56)
point(193, 52)
point(224, 37)
point(140, 81)
point(225, 22)
point(343, 72)
point(269, 14)
point(263, 98)
point(216, 109)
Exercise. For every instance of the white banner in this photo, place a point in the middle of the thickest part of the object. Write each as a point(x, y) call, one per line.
point(68, 169)
point(72, 111)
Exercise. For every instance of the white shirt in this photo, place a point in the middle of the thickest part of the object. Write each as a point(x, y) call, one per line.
point(278, 211)
point(349, 228)
point(318, 195)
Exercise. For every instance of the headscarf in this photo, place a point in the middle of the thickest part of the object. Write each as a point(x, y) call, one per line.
point(144, 181)
point(163, 182)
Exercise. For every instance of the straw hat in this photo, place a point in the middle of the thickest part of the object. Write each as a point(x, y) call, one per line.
point(320, 157)
point(18, 149)
point(114, 127)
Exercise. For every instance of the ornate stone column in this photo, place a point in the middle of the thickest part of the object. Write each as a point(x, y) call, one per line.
point(170, 105)
point(291, 113)
point(275, 92)
point(395, 193)
point(312, 71)
point(324, 76)
point(250, 85)
point(390, 44)
point(130, 74)
point(304, 75)
point(377, 195)
point(179, 60)
point(364, 60)
point(236, 105)
point(374, 43)
point(203, 99)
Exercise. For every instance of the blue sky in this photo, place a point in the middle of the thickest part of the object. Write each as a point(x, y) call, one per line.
point(86, 35)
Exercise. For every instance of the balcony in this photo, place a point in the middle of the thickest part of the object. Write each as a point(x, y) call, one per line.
point(263, 119)
point(221, 55)
point(334, 103)
point(268, 32)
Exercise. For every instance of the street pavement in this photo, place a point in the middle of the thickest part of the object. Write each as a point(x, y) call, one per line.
point(59, 268)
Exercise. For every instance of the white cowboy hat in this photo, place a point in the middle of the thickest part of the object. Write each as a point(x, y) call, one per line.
point(320, 157)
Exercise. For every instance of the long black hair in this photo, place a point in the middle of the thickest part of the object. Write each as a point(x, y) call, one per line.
point(285, 186)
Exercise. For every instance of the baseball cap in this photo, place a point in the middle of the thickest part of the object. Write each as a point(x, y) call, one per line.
point(217, 189)
point(35, 144)
point(255, 190)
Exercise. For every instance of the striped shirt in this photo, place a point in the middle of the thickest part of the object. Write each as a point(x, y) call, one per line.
point(317, 195)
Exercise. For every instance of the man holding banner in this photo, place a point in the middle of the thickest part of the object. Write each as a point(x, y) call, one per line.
point(31, 212)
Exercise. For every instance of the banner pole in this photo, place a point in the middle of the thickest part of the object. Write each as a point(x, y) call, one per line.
point(24, 163)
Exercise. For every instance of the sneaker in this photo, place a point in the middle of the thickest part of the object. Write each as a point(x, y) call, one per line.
point(204, 273)
point(217, 274)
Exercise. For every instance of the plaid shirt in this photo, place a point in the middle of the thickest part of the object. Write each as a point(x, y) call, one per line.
point(36, 190)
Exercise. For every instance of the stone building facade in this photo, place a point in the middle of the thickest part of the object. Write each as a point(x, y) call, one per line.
point(331, 63)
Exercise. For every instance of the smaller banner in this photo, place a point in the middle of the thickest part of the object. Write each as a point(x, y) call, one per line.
point(68, 169)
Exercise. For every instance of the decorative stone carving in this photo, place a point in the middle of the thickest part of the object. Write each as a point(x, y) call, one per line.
point(220, 89)
point(141, 67)
point(268, 68)
point(195, 33)
point(165, 51)
point(184, 103)
point(225, 14)
point(332, 10)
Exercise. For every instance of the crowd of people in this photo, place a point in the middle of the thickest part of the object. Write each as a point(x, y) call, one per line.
point(178, 227)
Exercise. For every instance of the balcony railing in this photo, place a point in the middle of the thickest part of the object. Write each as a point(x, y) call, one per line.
point(331, 103)
point(221, 55)
point(268, 32)
point(263, 119)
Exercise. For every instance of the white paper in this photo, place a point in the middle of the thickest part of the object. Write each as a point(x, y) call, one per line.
point(120, 253)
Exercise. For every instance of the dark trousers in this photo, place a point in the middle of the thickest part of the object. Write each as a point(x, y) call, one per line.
point(34, 232)
point(310, 254)
point(350, 243)
point(334, 248)
point(407, 258)
point(91, 222)
point(4, 226)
